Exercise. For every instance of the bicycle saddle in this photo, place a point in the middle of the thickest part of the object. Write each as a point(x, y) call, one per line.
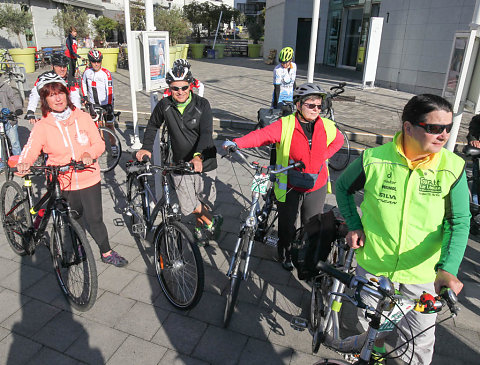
point(471, 151)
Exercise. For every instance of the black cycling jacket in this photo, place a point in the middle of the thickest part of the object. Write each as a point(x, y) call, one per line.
point(189, 133)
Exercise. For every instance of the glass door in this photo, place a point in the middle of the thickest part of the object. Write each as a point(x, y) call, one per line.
point(352, 30)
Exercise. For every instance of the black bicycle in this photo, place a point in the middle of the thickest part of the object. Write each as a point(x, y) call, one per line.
point(113, 148)
point(25, 223)
point(258, 226)
point(178, 261)
point(340, 159)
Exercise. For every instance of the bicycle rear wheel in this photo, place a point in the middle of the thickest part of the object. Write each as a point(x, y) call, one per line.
point(341, 159)
point(109, 159)
point(73, 263)
point(136, 206)
point(179, 265)
point(15, 216)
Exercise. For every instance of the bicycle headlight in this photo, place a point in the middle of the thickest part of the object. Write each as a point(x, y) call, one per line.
point(250, 222)
point(175, 208)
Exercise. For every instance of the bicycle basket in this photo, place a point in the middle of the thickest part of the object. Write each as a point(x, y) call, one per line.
point(313, 243)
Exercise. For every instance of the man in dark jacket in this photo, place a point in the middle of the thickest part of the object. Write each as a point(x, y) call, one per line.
point(189, 122)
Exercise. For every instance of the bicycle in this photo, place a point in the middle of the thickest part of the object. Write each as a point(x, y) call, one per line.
point(396, 304)
point(340, 159)
point(5, 144)
point(324, 305)
point(72, 257)
point(178, 262)
point(113, 148)
point(473, 180)
point(258, 226)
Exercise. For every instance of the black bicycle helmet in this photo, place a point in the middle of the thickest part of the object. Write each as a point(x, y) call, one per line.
point(95, 56)
point(182, 62)
point(308, 89)
point(47, 78)
point(179, 73)
point(59, 59)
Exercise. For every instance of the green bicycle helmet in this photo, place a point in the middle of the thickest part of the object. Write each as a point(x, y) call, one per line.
point(286, 54)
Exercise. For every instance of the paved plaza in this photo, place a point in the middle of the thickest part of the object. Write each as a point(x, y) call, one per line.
point(133, 323)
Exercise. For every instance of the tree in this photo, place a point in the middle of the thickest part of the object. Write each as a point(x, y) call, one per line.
point(198, 15)
point(15, 21)
point(173, 21)
point(72, 17)
point(255, 28)
point(104, 27)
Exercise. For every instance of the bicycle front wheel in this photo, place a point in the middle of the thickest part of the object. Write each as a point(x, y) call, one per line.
point(6, 153)
point(179, 265)
point(113, 150)
point(15, 216)
point(341, 159)
point(73, 263)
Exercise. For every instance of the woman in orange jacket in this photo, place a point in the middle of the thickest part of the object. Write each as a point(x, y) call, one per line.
point(67, 133)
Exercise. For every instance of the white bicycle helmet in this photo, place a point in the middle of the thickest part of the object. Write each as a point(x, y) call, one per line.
point(48, 78)
point(307, 90)
point(179, 73)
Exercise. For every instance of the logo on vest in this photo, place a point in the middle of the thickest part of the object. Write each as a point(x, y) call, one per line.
point(429, 187)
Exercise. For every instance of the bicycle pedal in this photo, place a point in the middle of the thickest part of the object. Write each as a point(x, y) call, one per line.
point(138, 228)
point(118, 222)
point(299, 323)
point(127, 212)
point(271, 241)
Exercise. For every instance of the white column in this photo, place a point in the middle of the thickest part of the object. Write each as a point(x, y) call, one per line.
point(313, 40)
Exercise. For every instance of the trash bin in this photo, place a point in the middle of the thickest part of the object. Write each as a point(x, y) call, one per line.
point(219, 48)
point(211, 53)
point(197, 50)
point(25, 56)
point(110, 58)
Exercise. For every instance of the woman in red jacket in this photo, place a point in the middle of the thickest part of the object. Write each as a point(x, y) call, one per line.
point(67, 133)
point(303, 136)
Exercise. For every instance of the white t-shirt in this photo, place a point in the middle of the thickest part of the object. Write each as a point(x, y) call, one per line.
point(285, 77)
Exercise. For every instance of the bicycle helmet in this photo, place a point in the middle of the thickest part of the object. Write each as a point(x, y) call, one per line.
point(308, 89)
point(48, 78)
point(179, 73)
point(59, 59)
point(95, 56)
point(182, 62)
point(286, 54)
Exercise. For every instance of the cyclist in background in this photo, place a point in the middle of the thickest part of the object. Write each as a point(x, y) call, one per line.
point(65, 133)
point(284, 75)
point(195, 83)
point(71, 51)
point(97, 86)
point(302, 136)
point(189, 122)
point(415, 222)
point(59, 65)
point(11, 102)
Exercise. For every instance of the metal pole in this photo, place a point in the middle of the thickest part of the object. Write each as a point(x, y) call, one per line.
point(149, 15)
point(313, 40)
point(463, 83)
point(218, 26)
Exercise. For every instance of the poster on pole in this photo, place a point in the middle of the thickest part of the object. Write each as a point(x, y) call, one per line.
point(455, 66)
point(155, 56)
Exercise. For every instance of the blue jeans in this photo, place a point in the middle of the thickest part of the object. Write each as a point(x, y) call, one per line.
point(12, 134)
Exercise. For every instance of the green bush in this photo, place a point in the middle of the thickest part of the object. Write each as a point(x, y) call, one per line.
point(15, 21)
point(173, 21)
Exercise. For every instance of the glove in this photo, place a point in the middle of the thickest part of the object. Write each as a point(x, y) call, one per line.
point(30, 115)
point(229, 146)
point(18, 112)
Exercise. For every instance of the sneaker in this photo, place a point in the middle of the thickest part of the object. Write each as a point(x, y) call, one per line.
point(215, 229)
point(114, 149)
point(115, 259)
point(287, 265)
point(201, 237)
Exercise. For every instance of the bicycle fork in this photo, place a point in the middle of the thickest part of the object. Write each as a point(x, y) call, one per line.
point(238, 251)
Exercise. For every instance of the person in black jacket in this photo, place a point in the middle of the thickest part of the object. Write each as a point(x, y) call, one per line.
point(71, 51)
point(189, 122)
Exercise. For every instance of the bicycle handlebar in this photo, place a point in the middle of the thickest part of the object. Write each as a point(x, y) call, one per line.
point(77, 165)
point(145, 166)
point(344, 277)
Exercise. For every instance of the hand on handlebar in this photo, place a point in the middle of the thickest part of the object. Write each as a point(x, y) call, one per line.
point(140, 154)
point(444, 278)
point(229, 146)
point(23, 168)
point(355, 239)
point(197, 164)
point(86, 159)
point(474, 144)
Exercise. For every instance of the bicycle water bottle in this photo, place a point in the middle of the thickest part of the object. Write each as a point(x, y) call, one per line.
point(38, 218)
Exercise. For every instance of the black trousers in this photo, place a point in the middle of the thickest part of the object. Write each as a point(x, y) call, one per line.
point(73, 66)
point(89, 201)
point(310, 205)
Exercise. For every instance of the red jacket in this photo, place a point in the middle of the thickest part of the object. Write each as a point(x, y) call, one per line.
point(314, 158)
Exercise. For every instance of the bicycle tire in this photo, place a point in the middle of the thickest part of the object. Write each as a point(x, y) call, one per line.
point(7, 152)
point(136, 202)
point(316, 318)
point(270, 228)
point(108, 160)
point(341, 159)
point(73, 263)
point(177, 262)
point(15, 216)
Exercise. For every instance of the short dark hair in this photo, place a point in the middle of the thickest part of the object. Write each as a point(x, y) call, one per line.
point(53, 87)
point(417, 108)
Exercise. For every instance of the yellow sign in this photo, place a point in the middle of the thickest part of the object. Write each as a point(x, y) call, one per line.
point(361, 55)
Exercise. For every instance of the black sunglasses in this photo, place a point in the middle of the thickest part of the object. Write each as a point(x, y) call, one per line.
point(435, 128)
point(176, 88)
point(313, 106)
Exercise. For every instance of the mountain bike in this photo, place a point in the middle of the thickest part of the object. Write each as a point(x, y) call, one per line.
point(325, 302)
point(113, 148)
point(340, 159)
point(5, 145)
point(178, 262)
point(25, 223)
point(391, 302)
point(258, 226)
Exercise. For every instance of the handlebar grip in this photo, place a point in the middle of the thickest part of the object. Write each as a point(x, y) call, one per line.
point(450, 298)
point(300, 165)
point(344, 277)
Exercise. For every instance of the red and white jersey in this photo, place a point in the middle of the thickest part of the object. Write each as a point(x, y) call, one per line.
point(98, 86)
point(196, 83)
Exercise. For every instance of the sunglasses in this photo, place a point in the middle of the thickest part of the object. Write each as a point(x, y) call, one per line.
point(177, 88)
point(313, 106)
point(435, 128)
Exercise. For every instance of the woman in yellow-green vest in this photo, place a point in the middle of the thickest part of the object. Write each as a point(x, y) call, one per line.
point(415, 214)
point(302, 136)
